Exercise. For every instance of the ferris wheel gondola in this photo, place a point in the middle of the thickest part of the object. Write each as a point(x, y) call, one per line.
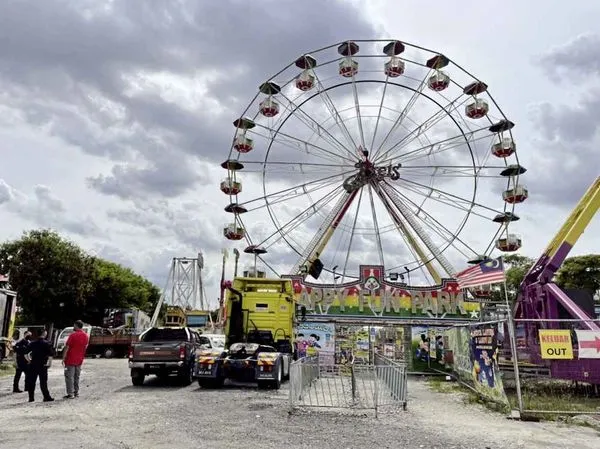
point(373, 151)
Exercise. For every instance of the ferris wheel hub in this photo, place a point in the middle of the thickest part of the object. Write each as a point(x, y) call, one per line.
point(368, 173)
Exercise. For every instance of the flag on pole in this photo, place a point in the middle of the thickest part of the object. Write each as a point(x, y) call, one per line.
point(589, 344)
point(484, 273)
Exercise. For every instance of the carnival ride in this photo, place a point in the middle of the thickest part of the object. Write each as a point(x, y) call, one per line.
point(540, 299)
point(383, 147)
point(184, 295)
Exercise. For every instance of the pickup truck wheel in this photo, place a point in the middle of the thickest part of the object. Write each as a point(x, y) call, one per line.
point(108, 353)
point(186, 375)
point(137, 377)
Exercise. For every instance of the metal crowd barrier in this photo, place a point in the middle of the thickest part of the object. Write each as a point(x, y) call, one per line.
point(393, 376)
point(347, 386)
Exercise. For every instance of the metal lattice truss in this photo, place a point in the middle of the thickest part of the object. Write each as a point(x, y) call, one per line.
point(373, 151)
point(184, 287)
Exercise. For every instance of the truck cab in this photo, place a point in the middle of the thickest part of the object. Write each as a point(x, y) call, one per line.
point(259, 324)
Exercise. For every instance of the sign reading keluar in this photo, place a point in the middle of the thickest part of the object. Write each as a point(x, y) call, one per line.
point(556, 344)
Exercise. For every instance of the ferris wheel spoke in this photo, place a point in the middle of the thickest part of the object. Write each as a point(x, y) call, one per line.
point(352, 233)
point(291, 168)
point(406, 231)
point(415, 225)
point(439, 147)
point(405, 111)
point(301, 145)
point(358, 114)
point(423, 127)
point(450, 171)
point(434, 224)
point(269, 266)
point(449, 199)
point(464, 207)
point(376, 226)
point(335, 114)
point(315, 247)
point(301, 217)
point(294, 190)
point(273, 200)
point(316, 127)
point(381, 102)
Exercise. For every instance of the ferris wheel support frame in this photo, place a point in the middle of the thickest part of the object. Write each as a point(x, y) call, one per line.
point(323, 235)
point(406, 231)
point(409, 217)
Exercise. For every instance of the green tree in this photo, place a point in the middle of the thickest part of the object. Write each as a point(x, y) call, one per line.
point(57, 282)
point(580, 272)
point(115, 286)
point(52, 276)
point(516, 267)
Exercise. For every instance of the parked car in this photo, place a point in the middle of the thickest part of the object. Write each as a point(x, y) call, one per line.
point(215, 341)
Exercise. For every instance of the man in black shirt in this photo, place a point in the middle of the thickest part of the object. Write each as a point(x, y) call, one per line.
point(40, 352)
point(21, 348)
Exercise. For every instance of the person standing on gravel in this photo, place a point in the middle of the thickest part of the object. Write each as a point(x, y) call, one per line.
point(73, 356)
point(21, 348)
point(39, 357)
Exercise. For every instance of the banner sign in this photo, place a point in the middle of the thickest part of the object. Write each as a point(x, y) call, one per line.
point(373, 295)
point(556, 344)
point(316, 338)
point(474, 358)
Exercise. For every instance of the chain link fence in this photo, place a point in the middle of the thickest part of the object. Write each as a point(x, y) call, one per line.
point(558, 367)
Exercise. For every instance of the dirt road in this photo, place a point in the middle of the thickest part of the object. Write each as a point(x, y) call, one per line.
point(113, 414)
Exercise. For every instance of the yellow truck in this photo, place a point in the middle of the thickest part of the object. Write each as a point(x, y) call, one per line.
point(259, 320)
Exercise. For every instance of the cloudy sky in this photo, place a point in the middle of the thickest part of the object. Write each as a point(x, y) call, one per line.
point(115, 115)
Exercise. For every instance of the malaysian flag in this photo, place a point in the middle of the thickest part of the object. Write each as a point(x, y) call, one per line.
point(484, 273)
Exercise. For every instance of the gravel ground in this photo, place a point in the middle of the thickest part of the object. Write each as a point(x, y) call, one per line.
point(111, 413)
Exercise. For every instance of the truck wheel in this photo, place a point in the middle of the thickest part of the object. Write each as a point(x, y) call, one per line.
point(186, 375)
point(108, 353)
point(286, 376)
point(137, 377)
point(276, 383)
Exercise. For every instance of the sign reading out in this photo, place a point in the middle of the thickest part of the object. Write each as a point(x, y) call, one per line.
point(556, 344)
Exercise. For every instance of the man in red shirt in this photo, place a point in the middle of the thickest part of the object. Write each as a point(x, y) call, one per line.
point(73, 356)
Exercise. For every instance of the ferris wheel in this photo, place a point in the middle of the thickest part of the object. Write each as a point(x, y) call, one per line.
point(373, 152)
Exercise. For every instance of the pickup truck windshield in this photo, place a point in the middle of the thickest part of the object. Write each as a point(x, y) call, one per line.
point(165, 335)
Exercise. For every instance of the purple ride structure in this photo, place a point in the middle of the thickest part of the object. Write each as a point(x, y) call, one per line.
point(381, 152)
point(543, 305)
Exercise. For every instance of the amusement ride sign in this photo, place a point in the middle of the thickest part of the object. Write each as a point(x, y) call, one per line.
point(375, 296)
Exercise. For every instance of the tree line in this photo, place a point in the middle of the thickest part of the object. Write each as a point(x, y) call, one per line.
point(577, 272)
point(58, 282)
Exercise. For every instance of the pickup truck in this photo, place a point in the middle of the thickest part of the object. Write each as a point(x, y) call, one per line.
point(163, 351)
